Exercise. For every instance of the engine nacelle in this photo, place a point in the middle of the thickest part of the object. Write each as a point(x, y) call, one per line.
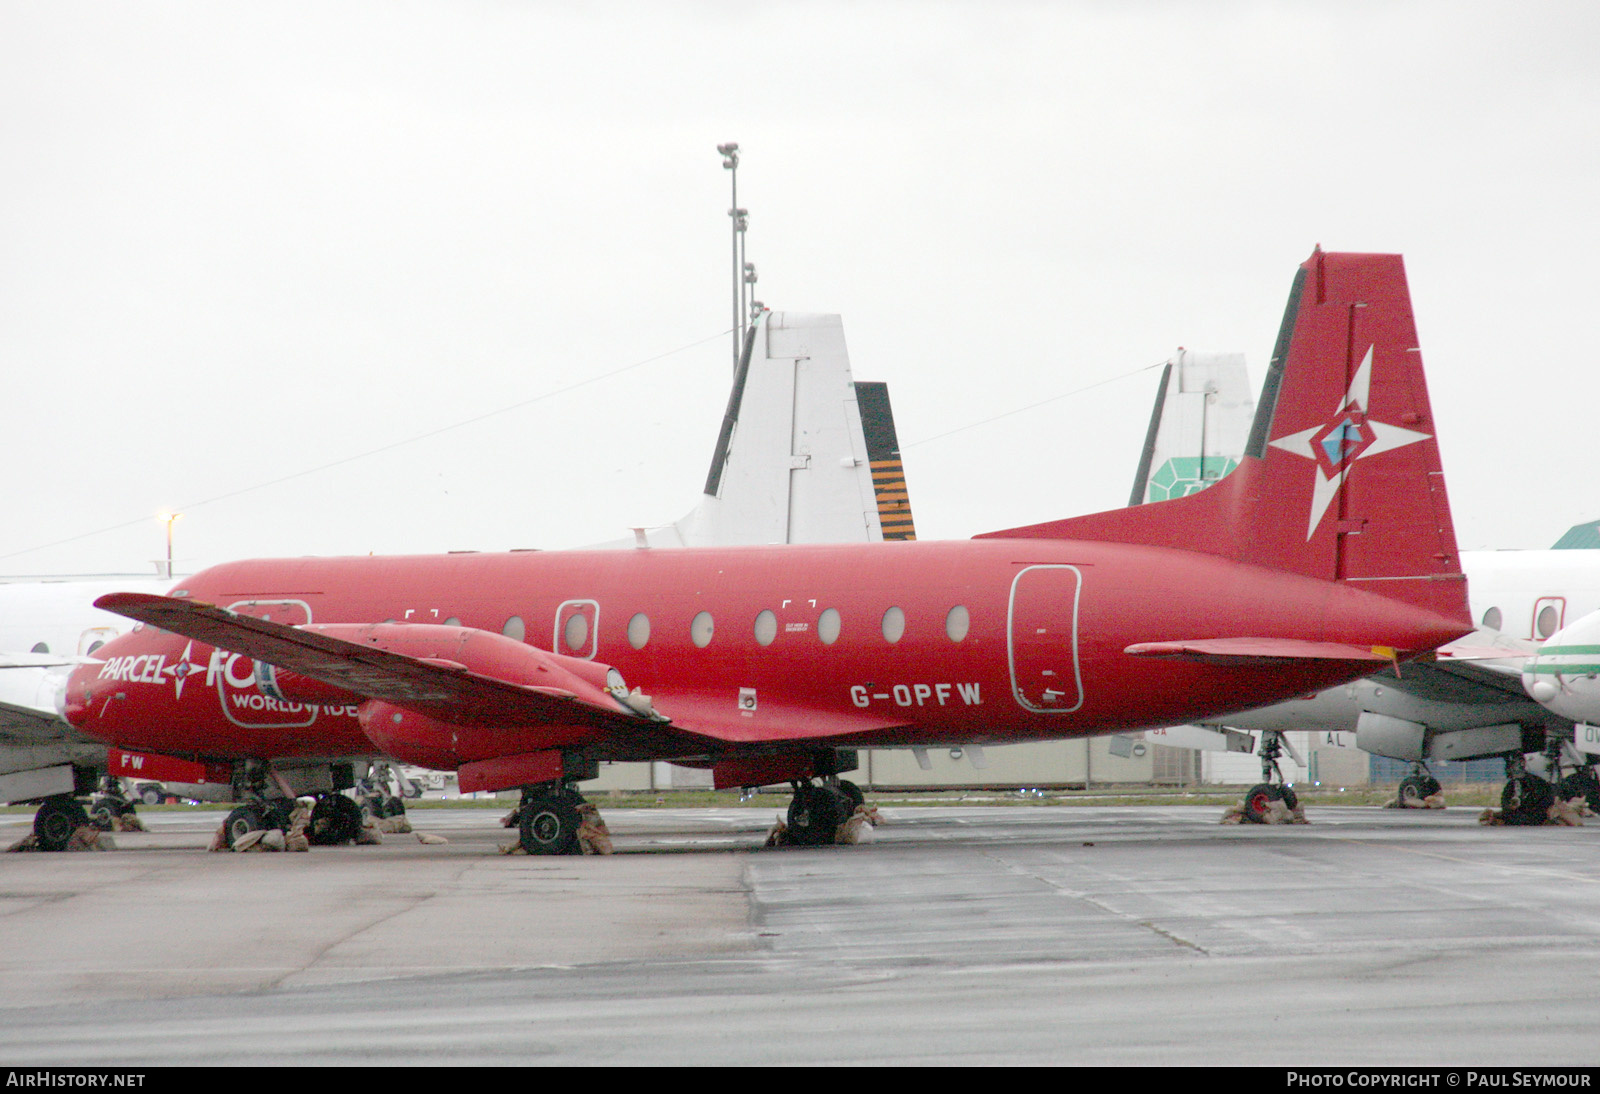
point(434, 737)
point(422, 740)
point(482, 652)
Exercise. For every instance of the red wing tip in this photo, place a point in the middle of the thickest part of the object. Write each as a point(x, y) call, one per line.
point(117, 602)
point(113, 601)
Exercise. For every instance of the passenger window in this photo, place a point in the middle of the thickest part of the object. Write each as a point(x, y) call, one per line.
point(1491, 619)
point(894, 624)
point(453, 621)
point(828, 626)
point(701, 629)
point(957, 623)
point(515, 629)
point(1549, 620)
point(40, 647)
point(576, 632)
point(766, 628)
point(639, 631)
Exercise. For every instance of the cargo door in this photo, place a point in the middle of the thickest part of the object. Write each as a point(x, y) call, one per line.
point(1042, 638)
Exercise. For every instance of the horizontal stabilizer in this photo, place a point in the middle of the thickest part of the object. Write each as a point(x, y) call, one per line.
point(1247, 650)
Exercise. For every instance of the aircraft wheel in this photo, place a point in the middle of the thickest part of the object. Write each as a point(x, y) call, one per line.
point(1526, 800)
point(247, 818)
point(335, 819)
point(151, 795)
point(1414, 788)
point(395, 807)
point(1259, 798)
point(815, 814)
point(56, 820)
point(102, 812)
point(1582, 783)
point(549, 825)
point(853, 792)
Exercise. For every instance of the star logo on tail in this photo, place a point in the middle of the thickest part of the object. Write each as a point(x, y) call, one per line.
point(1347, 437)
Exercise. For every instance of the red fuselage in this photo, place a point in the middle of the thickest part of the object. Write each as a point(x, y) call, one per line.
point(987, 641)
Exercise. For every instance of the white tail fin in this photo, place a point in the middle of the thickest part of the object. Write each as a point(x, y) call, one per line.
point(1198, 427)
point(795, 461)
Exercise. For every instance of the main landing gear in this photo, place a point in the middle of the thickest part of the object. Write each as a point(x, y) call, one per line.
point(267, 802)
point(1417, 787)
point(108, 803)
point(373, 796)
point(548, 819)
point(259, 815)
point(1582, 783)
point(335, 819)
point(1259, 799)
point(60, 815)
point(818, 809)
point(1526, 798)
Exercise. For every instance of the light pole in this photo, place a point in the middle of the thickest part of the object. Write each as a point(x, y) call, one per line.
point(741, 220)
point(730, 162)
point(168, 519)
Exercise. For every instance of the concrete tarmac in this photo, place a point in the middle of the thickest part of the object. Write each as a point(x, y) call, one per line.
point(967, 935)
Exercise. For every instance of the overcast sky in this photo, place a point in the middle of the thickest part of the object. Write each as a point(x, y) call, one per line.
point(241, 241)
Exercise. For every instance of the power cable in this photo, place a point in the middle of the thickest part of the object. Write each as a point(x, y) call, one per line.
point(380, 449)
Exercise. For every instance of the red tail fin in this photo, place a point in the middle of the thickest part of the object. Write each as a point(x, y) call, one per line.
point(1341, 478)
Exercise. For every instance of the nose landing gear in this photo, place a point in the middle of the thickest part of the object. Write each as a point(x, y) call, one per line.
point(817, 810)
point(1272, 800)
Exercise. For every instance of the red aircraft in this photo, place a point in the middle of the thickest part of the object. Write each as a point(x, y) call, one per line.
point(1327, 552)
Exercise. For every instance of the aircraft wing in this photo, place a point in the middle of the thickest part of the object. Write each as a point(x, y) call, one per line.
point(451, 691)
point(42, 660)
point(32, 738)
point(1493, 676)
point(1487, 659)
point(445, 689)
point(1490, 686)
point(21, 724)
